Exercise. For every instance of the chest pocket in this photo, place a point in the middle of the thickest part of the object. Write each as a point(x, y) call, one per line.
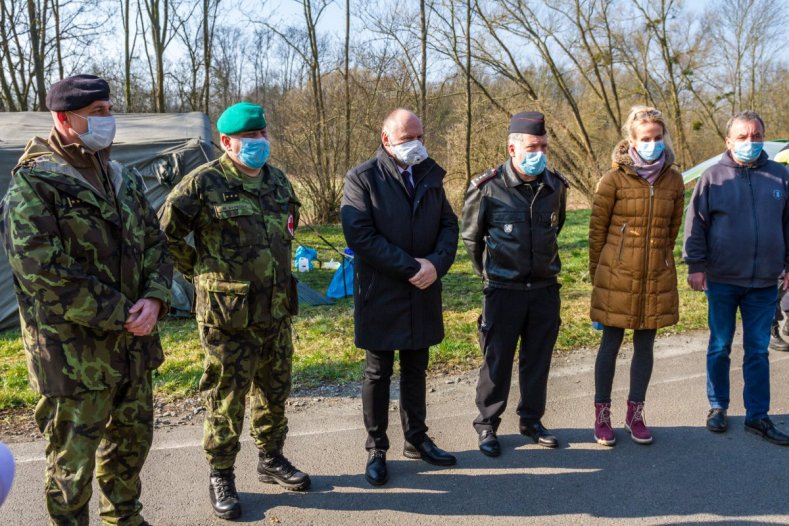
point(509, 222)
point(240, 224)
point(85, 223)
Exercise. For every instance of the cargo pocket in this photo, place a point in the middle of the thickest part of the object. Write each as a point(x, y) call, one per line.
point(221, 303)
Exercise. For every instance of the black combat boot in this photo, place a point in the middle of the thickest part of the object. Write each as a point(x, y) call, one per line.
point(224, 497)
point(274, 468)
point(776, 343)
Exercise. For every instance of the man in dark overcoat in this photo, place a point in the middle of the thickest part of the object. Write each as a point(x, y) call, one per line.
point(397, 220)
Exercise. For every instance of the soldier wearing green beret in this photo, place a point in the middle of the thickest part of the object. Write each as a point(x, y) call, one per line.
point(92, 277)
point(242, 212)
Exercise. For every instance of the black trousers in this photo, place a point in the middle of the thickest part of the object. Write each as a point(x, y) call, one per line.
point(507, 315)
point(640, 365)
point(375, 395)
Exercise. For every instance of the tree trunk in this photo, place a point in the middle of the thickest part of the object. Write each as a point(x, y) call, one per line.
point(38, 44)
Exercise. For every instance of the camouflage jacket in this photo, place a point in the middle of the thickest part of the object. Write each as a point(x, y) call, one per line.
point(80, 261)
point(240, 263)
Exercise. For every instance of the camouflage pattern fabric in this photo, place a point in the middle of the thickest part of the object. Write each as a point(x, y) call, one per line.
point(245, 295)
point(81, 257)
point(80, 260)
point(256, 359)
point(241, 260)
point(110, 430)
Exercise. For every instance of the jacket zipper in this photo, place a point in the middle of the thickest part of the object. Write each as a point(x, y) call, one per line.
point(621, 241)
point(531, 229)
point(646, 256)
point(755, 225)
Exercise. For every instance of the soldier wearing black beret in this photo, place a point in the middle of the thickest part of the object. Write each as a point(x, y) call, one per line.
point(92, 277)
point(511, 219)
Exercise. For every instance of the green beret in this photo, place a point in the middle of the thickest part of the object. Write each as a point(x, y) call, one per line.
point(241, 117)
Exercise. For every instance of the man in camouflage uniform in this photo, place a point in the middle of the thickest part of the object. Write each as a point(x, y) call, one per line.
point(242, 212)
point(92, 277)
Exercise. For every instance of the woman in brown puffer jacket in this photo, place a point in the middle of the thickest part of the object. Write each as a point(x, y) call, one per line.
point(636, 216)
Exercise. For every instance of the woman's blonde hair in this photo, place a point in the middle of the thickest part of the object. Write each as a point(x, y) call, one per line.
point(640, 114)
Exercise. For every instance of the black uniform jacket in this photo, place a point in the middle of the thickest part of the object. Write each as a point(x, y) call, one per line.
point(511, 235)
point(387, 230)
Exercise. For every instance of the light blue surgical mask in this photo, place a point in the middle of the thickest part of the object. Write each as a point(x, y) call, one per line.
point(747, 151)
point(254, 152)
point(100, 134)
point(534, 163)
point(650, 151)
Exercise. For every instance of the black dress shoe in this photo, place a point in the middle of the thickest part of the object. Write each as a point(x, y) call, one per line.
point(429, 452)
point(375, 473)
point(224, 497)
point(717, 421)
point(766, 429)
point(489, 443)
point(274, 468)
point(537, 432)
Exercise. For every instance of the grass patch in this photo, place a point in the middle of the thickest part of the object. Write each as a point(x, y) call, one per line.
point(323, 336)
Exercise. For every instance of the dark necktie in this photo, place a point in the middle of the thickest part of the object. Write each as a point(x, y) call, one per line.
point(409, 183)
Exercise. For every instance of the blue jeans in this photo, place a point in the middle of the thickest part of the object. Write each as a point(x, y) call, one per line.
point(757, 307)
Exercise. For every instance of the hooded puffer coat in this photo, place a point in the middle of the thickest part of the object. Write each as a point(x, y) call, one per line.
point(631, 240)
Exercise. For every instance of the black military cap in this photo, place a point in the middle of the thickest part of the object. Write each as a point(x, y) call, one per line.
point(531, 122)
point(73, 93)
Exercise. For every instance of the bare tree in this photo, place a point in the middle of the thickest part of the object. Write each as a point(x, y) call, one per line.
point(210, 8)
point(162, 25)
point(397, 24)
point(657, 18)
point(347, 82)
point(37, 12)
point(129, 43)
point(325, 185)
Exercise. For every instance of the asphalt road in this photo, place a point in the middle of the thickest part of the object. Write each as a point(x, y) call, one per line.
point(687, 476)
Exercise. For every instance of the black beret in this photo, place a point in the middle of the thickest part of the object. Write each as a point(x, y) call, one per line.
point(73, 93)
point(531, 122)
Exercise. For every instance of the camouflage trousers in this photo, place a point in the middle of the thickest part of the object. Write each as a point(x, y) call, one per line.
point(109, 430)
point(256, 359)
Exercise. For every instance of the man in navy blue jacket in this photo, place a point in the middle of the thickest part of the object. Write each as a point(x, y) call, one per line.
point(736, 246)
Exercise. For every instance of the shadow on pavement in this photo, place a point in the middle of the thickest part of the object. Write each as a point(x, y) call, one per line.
point(686, 471)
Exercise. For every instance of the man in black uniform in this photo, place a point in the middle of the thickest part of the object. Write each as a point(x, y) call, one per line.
point(511, 219)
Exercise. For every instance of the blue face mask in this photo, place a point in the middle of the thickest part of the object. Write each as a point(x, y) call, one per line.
point(254, 152)
point(534, 163)
point(747, 151)
point(650, 151)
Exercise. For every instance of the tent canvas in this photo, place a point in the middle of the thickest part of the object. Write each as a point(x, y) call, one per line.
point(160, 147)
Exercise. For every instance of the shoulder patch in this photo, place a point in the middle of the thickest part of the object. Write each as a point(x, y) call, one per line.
point(562, 178)
point(480, 180)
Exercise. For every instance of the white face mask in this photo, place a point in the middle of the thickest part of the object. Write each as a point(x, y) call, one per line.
point(409, 153)
point(100, 134)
